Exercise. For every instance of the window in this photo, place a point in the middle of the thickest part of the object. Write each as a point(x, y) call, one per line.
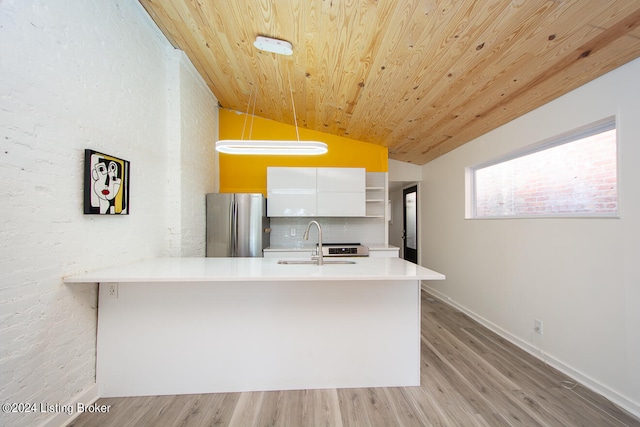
point(572, 175)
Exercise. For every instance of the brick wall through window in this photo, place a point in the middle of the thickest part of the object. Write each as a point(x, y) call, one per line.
point(575, 178)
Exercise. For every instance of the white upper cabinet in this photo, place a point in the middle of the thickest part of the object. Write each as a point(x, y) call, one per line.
point(316, 191)
point(291, 192)
point(341, 192)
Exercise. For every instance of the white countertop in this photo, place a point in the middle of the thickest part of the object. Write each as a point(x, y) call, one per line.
point(277, 248)
point(379, 246)
point(308, 248)
point(255, 269)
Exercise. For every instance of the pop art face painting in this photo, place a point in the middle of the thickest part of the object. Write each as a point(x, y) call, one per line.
point(106, 184)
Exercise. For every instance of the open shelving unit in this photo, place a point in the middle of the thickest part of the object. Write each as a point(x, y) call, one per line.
point(377, 197)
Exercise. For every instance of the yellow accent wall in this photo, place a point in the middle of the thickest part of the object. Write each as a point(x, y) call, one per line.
point(248, 174)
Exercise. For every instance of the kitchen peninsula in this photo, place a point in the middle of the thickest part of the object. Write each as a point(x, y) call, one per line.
point(203, 325)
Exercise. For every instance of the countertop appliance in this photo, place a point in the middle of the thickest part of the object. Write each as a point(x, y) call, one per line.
point(344, 249)
point(237, 225)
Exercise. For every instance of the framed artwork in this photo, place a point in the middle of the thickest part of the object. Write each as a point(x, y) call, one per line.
point(106, 184)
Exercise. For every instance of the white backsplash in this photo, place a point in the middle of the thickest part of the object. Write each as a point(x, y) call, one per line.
point(334, 230)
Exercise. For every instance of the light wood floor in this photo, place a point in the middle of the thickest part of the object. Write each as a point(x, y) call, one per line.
point(470, 377)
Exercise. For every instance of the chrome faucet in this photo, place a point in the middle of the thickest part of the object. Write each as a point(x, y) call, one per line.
point(306, 237)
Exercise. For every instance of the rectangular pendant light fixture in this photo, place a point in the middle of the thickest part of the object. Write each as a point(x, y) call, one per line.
point(272, 147)
point(239, 146)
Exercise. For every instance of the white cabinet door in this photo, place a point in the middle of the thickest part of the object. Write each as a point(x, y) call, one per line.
point(341, 191)
point(342, 180)
point(341, 204)
point(291, 192)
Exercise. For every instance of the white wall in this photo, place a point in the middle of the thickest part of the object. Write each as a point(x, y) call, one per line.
point(75, 75)
point(403, 171)
point(580, 276)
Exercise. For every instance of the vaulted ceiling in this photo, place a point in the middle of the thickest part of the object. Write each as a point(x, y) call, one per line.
point(420, 77)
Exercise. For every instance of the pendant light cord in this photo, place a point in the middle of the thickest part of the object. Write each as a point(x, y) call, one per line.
point(293, 105)
point(253, 112)
point(244, 125)
point(255, 101)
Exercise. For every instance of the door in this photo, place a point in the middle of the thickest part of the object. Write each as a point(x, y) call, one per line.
point(410, 224)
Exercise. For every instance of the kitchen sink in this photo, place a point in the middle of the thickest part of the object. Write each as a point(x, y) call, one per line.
point(312, 262)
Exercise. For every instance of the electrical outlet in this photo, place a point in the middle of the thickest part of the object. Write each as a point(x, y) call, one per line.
point(292, 232)
point(537, 326)
point(112, 290)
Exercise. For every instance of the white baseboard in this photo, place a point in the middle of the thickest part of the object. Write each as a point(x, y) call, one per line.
point(585, 380)
point(86, 397)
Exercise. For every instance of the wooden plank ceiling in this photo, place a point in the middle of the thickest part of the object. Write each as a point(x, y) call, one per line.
point(421, 77)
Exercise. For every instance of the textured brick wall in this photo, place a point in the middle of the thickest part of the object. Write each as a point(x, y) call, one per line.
point(193, 130)
point(199, 131)
point(575, 178)
point(74, 75)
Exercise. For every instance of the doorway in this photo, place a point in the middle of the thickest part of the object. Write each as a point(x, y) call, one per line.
point(410, 224)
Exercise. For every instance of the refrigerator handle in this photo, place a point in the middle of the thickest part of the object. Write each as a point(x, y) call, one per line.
point(234, 227)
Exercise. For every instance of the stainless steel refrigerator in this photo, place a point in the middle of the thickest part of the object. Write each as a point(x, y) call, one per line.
point(237, 225)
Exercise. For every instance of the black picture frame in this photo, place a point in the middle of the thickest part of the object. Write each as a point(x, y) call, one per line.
point(106, 184)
